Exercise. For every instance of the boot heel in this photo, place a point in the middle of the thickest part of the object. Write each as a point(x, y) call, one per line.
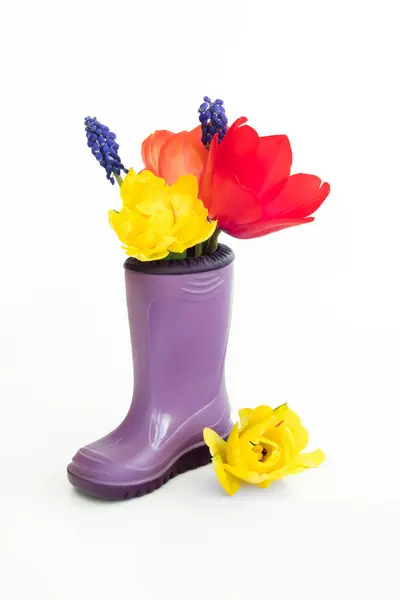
point(199, 457)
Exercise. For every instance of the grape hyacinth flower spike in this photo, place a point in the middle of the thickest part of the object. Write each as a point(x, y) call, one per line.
point(213, 120)
point(104, 147)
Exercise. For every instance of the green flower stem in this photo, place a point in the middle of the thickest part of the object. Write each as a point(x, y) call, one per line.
point(175, 256)
point(198, 250)
point(119, 179)
point(213, 241)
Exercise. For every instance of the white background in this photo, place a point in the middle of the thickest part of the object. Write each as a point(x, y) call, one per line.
point(316, 312)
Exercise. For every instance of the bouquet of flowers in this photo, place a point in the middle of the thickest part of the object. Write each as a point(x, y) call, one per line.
point(197, 183)
point(194, 185)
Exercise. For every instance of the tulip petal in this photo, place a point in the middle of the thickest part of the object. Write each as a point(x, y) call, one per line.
point(244, 415)
point(240, 141)
point(232, 204)
point(271, 461)
point(205, 231)
point(226, 479)
point(276, 155)
point(147, 256)
point(299, 432)
point(196, 133)
point(238, 123)
point(151, 148)
point(136, 187)
point(273, 476)
point(251, 436)
point(233, 454)
point(306, 460)
point(215, 443)
point(300, 197)
point(246, 475)
point(182, 154)
point(121, 226)
point(238, 156)
point(261, 413)
point(186, 185)
point(282, 437)
point(261, 228)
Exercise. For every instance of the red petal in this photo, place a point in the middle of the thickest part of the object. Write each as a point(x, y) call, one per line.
point(238, 123)
point(232, 204)
point(238, 155)
point(183, 154)
point(238, 141)
point(276, 155)
point(151, 148)
point(261, 228)
point(300, 197)
point(258, 163)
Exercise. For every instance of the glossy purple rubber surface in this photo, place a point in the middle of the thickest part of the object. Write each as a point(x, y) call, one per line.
point(179, 327)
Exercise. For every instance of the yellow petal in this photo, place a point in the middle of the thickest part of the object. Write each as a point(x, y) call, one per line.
point(186, 228)
point(282, 438)
point(244, 415)
point(270, 462)
point(273, 476)
point(233, 448)
point(183, 194)
point(261, 413)
point(147, 240)
point(200, 209)
point(120, 225)
point(227, 481)
point(159, 202)
point(251, 435)
point(145, 255)
point(147, 177)
point(187, 184)
point(268, 444)
point(204, 232)
point(128, 184)
point(177, 247)
point(307, 460)
point(246, 475)
point(128, 180)
point(281, 408)
point(136, 188)
point(265, 483)
point(292, 421)
point(215, 443)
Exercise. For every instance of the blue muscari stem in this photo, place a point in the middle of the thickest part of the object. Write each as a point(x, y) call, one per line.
point(104, 147)
point(213, 120)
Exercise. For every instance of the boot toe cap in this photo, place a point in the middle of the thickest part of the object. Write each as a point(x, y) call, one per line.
point(89, 464)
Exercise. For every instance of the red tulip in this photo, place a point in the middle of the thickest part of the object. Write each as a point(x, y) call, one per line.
point(246, 184)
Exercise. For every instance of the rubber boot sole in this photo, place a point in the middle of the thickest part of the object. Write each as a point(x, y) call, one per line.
point(198, 457)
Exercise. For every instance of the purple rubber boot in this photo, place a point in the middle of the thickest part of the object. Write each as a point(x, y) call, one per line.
point(179, 317)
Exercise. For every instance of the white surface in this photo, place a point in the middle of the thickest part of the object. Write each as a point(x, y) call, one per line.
point(316, 315)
